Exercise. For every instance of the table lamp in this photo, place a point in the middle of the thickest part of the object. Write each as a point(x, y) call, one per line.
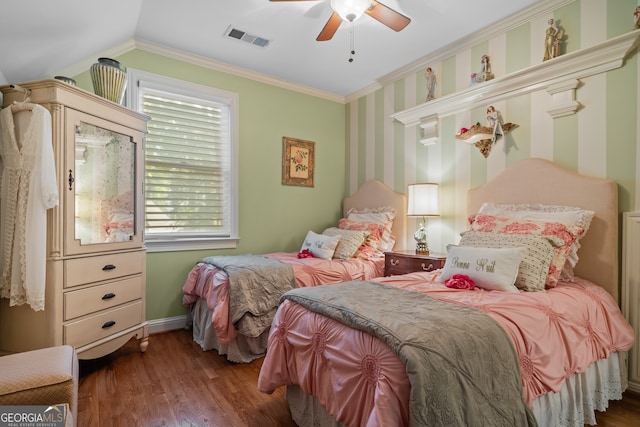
point(422, 202)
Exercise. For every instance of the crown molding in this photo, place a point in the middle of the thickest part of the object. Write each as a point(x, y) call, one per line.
point(236, 71)
point(198, 60)
point(84, 64)
point(558, 76)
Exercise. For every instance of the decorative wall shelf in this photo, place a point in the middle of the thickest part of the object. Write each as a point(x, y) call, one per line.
point(560, 77)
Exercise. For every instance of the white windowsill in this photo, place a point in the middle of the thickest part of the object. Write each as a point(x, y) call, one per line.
point(175, 245)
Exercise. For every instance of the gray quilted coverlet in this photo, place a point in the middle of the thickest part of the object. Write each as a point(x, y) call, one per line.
point(256, 284)
point(461, 364)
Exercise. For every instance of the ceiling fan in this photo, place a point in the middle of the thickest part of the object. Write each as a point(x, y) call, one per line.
point(350, 10)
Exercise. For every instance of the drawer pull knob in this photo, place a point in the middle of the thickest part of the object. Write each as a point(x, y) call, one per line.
point(108, 267)
point(109, 295)
point(427, 267)
point(108, 324)
point(394, 261)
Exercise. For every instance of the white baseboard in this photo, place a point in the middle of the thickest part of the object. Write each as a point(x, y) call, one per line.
point(167, 324)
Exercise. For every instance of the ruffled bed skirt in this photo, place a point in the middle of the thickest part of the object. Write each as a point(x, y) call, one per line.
point(583, 394)
point(573, 406)
point(241, 350)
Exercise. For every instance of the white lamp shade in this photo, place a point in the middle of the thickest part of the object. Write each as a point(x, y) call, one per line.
point(350, 10)
point(423, 200)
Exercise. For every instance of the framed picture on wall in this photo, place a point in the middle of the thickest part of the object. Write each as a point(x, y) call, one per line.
point(298, 162)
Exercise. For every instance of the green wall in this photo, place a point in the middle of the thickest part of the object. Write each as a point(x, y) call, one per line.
point(272, 217)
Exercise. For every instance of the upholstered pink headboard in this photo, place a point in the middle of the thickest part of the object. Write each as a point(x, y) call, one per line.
point(541, 181)
point(374, 194)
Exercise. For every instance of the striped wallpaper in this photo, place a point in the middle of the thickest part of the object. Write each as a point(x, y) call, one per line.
point(602, 139)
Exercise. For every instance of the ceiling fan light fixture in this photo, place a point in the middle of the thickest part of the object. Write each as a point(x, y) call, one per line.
point(350, 10)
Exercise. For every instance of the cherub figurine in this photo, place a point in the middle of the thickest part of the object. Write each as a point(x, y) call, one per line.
point(431, 84)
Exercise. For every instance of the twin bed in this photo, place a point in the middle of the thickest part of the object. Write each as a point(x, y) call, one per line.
point(408, 350)
point(241, 332)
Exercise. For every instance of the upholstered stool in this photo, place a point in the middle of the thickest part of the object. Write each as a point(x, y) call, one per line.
point(47, 376)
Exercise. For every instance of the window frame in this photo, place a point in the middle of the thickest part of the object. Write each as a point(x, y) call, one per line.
point(167, 243)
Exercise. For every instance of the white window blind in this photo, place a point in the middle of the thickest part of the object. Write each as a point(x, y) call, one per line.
point(189, 170)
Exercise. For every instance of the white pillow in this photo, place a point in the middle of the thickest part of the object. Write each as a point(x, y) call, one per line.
point(534, 267)
point(493, 269)
point(319, 245)
point(567, 215)
point(350, 241)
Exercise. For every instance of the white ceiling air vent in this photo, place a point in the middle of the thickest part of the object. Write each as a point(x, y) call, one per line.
point(237, 34)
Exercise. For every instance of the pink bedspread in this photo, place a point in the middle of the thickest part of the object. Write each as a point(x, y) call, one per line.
point(209, 283)
point(556, 333)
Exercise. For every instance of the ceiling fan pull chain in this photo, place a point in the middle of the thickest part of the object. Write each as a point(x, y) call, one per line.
point(351, 36)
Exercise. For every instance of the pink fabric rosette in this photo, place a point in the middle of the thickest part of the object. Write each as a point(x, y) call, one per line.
point(305, 254)
point(460, 281)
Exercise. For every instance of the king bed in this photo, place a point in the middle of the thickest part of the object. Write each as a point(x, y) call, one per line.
point(418, 349)
point(236, 323)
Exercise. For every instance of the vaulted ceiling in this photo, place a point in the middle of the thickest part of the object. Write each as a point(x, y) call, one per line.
point(41, 38)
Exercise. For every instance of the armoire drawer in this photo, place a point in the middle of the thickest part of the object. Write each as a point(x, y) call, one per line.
point(101, 297)
point(103, 324)
point(80, 271)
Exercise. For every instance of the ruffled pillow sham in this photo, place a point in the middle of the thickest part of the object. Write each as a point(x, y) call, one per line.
point(494, 224)
point(382, 215)
point(567, 215)
point(372, 247)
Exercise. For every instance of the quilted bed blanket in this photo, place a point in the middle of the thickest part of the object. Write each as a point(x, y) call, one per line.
point(256, 284)
point(461, 364)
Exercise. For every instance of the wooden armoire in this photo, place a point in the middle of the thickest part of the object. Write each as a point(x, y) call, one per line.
point(96, 262)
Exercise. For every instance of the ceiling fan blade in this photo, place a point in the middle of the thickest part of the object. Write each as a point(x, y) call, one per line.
point(389, 17)
point(330, 28)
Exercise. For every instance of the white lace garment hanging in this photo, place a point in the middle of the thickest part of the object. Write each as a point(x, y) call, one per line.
point(28, 188)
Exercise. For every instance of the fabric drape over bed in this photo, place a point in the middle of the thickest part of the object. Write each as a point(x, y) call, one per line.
point(256, 283)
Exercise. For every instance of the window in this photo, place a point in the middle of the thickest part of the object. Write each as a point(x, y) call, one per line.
point(190, 185)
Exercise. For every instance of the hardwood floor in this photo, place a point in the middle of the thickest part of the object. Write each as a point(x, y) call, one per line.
point(175, 383)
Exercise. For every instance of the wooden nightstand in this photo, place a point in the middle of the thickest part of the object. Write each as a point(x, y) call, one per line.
point(402, 262)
